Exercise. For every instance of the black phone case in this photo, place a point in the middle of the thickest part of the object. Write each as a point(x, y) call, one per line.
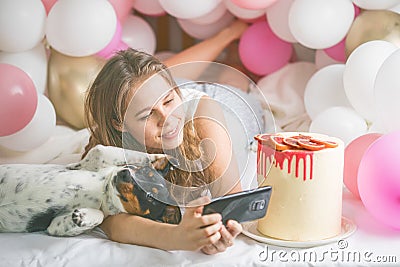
point(244, 206)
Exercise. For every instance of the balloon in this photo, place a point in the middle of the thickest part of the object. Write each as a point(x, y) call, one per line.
point(115, 45)
point(48, 4)
point(341, 122)
point(80, 28)
point(243, 13)
point(138, 34)
point(373, 25)
point(22, 24)
point(325, 90)
point(189, 9)
point(359, 75)
point(261, 51)
point(323, 60)
point(373, 4)
point(259, 4)
point(320, 24)
point(278, 19)
point(211, 17)
point(18, 99)
point(199, 31)
point(337, 52)
point(352, 157)
point(386, 92)
point(122, 8)
point(378, 179)
point(36, 132)
point(33, 62)
point(69, 79)
point(149, 7)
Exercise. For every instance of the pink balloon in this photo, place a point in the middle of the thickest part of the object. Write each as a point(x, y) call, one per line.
point(379, 179)
point(115, 44)
point(149, 7)
point(48, 4)
point(122, 8)
point(18, 99)
point(254, 4)
point(204, 31)
point(352, 157)
point(261, 51)
point(337, 52)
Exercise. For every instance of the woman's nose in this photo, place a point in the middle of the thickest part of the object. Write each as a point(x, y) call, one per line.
point(163, 114)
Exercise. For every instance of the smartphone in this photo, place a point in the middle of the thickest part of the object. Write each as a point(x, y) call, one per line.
point(248, 205)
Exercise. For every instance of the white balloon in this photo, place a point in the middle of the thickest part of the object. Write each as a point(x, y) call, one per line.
point(81, 28)
point(22, 24)
point(341, 122)
point(149, 7)
point(138, 34)
point(33, 62)
point(211, 17)
point(387, 93)
point(325, 90)
point(189, 9)
point(36, 132)
point(322, 59)
point(199, 31)
point(278, 19)
point(320, 24)
point(376, 4)
point(360, 72)
point(243, 13)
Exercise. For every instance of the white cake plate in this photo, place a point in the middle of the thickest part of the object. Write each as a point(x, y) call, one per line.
point(250, 230)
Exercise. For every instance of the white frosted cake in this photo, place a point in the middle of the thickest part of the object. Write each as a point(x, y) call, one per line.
point(305, 171)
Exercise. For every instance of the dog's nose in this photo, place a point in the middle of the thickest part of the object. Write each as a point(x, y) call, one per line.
point(124, 176)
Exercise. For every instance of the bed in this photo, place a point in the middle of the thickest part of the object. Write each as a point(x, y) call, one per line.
point(370, 244)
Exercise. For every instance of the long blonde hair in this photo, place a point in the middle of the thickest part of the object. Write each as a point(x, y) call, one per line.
point(106, 104)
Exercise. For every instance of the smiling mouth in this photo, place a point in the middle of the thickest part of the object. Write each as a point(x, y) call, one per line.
point(172, 133)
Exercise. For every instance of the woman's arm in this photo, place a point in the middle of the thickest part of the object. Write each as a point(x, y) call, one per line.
point(211, 127)
point(193, 232)
point(207, 50)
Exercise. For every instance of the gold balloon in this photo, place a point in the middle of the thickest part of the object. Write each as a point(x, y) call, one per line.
point(68, 80)
point(373, 25)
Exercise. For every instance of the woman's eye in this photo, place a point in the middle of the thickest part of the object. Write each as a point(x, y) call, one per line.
point(169, 101)
point(146, 117)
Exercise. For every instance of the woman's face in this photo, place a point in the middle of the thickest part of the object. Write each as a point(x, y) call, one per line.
point(155, 116)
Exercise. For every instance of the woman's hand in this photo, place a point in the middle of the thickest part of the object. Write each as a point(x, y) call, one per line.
point(196, 231)
point(228, 234)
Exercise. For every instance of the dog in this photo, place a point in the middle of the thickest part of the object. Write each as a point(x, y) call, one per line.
point(67, 200)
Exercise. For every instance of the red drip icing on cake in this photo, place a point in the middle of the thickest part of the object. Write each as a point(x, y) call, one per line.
point(278, 157)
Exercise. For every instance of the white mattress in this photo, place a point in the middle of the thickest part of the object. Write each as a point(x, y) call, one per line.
point(94, 249)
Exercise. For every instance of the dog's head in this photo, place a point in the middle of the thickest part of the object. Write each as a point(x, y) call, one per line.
point(139, 189)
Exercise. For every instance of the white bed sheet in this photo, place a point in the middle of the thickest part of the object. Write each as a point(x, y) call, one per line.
point(94, 249)
point(373, 241)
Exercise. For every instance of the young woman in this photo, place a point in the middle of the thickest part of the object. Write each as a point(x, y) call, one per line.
point(134, 103)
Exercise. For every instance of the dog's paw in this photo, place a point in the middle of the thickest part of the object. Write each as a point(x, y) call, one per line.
point(87, 217)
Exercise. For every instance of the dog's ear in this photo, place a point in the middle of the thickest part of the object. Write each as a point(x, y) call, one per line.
point(164, 164)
